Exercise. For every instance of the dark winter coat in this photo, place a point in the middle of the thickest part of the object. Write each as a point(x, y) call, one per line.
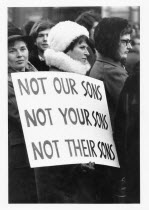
point(127, 135)
point(113, 76)
point(40, 65)
point(22, 187)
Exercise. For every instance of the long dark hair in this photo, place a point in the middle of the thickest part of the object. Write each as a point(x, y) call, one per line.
point(107, 36)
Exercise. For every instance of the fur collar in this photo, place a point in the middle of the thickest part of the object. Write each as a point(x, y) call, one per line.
point(64, 62)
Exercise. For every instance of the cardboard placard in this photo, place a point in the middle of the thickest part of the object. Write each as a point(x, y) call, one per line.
point(65, 119)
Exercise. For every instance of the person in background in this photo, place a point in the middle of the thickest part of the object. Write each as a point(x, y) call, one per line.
point(133, 55)
point(89, 19)
point(39, 33)
point(27, 27)
point(127, 134)
point(113, 42)
point(26, 30)
point(67, 52)
point(22, 185)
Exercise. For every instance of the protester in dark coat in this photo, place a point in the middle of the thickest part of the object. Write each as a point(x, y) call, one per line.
point(39, 33)
point(67, 183)
point(22, 186)
point(112, 41)
point(127, 134)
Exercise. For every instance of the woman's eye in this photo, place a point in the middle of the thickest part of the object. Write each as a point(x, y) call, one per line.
point(22, 49)
point(40, 35)
point(11, 51)
point(82, 47)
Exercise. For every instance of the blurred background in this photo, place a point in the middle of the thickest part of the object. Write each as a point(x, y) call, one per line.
point(20, 15)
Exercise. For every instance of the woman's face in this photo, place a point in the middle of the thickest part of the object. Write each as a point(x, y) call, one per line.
point(18, 55)
point(79, 52)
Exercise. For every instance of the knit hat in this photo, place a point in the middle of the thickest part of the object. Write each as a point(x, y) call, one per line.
point(63, 33)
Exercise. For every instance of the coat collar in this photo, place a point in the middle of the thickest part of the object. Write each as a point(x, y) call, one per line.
point(28, 68)
point(64, 62)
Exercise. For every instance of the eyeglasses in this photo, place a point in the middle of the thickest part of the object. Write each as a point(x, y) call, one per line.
point(126, 41)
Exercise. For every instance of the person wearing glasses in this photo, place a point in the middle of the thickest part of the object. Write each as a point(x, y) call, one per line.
point(134, 55)
point(112, 41)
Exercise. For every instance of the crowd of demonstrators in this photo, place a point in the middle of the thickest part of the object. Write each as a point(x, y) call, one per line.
point(89, 19)
point(39, 33)
point(74, 46)
point(22, 186)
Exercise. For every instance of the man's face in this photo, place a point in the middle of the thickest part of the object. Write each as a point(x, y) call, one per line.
point(125, 46)
point(41, 40)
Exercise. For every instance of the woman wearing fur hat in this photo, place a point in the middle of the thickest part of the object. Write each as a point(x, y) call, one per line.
point(22, 185)
point(68, 42)
point(68, 52)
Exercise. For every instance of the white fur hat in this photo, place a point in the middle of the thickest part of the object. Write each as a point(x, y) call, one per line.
point(63, 33)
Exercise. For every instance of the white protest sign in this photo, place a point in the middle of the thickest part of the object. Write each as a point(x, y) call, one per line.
point(65, 119)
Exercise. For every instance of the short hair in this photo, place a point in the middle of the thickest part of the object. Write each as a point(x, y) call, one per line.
point(40, 25)
point(107, 36)
point(79, 40)
point(87, 19)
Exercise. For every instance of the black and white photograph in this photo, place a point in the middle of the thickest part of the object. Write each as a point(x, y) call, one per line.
point(72, 105)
